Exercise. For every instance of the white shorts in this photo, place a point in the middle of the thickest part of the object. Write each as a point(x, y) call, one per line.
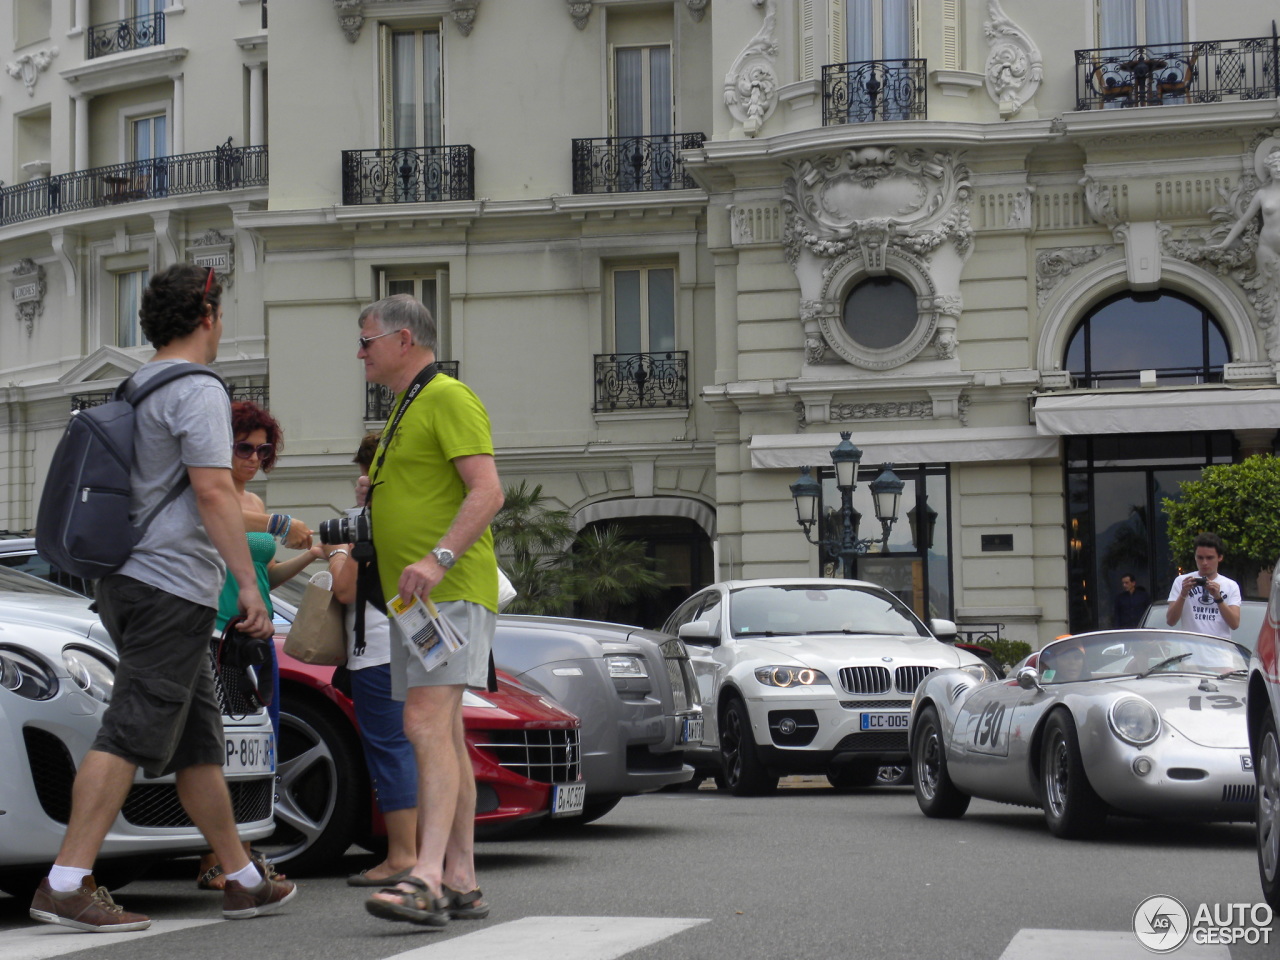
point(468, 667)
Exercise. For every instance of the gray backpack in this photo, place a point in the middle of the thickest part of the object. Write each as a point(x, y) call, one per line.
point(83, 525)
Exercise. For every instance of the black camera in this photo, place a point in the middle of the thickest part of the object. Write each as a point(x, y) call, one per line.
point(1198, 581)
point(355, 527)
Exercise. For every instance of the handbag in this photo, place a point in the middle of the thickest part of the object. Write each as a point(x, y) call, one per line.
point(318, 635)
point(243, 663)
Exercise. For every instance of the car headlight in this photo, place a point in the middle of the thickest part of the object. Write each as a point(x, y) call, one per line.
point(791, 676)
point(1134, 721)
point(625, 668)
point(26, 674)
point(91, 674)
point(980, 672)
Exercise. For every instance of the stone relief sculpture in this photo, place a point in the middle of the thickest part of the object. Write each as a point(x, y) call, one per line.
point(28, 291)
point(29, 66)
point(350, 17)
point(751, 85)
point(697, 9)
point(1053, 266)
point(1014, 65)
point(464, 14)
point(580, 11)
point(1244, 242)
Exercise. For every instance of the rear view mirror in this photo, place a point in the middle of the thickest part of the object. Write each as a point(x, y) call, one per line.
point(698, 632)
point(943, 629)
point(1029, 678)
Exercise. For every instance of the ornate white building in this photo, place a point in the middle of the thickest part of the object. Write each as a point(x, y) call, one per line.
point(678, 246)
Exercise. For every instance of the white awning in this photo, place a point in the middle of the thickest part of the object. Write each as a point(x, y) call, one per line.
point(958, 445)
point(1158, 411)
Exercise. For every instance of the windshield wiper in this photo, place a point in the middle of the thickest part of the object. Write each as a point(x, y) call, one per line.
point(1238, 672)
point(1166, 662)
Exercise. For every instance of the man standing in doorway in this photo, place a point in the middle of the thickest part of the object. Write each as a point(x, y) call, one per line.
point(1205, 601)
point(1131, 603)
point(159, 609)
point(431, 493)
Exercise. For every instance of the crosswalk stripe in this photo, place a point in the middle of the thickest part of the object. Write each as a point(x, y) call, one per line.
point(1097, 945)
point(555, 938)
point(47, 940)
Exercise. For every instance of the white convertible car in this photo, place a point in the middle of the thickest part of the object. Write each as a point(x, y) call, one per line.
point(807, 676)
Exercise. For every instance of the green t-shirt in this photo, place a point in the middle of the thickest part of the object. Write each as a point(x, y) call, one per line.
point(417, 491)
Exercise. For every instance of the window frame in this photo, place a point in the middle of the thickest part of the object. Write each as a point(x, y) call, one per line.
point(134, 323)
point(1139, 8)
point(129, 115)
point(645, 319)
point(387, 33)
point(419, 276)
point(646, 84)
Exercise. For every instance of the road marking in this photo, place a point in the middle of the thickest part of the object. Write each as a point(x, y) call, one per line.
point(46, 940)
point(1097, 945)
point(555, 938)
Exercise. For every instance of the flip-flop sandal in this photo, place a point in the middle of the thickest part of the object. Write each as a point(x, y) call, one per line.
point(466, 906)
point(205, 880)
point(414, 906)
point(362, 879)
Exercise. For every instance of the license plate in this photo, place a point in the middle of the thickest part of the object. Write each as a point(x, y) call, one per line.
point(885, 721)
point(249, 753)
point(567, 799)
point(691, 730)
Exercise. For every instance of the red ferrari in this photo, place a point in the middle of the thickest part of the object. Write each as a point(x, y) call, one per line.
point(524, 749)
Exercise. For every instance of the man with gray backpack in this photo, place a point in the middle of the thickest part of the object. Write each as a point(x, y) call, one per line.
point(159, 608)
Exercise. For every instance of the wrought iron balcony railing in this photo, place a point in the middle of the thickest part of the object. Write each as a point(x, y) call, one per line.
point(409, 175)
point(379, 401)
point(257, 392)
point(867, 90)
point(1207, 71)
point(638, 381)
point(120, 36)
point(631, 164)
point(223, 168)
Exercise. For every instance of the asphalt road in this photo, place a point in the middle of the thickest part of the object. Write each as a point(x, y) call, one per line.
point(807, 873)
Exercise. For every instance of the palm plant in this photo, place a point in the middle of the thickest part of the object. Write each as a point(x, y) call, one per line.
point(607, 570)
point(534, 538)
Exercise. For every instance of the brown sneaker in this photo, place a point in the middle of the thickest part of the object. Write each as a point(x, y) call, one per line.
point(90, 908)
point(240, 902)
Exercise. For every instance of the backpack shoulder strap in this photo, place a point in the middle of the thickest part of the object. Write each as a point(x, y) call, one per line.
point(135, 393)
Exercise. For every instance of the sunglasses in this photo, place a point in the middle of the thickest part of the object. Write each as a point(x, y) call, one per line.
point(365, 341)
point(244, 450)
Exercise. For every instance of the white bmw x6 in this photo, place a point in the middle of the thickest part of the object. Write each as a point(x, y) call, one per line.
point(807, 676)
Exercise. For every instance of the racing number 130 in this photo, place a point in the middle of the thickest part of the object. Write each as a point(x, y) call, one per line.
point(989, 721)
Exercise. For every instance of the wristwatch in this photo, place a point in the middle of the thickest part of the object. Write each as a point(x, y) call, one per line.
point(444, 557)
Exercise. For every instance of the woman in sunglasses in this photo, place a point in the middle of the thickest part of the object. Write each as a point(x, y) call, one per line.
point(257, 439)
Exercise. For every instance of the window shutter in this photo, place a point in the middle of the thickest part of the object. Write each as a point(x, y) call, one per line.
point(917, 47)
point(386, 88)
point(808, 40)
point(611, 130)
point(835, 32)
point(952, 35)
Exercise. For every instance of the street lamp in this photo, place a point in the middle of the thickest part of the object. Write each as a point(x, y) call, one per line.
point(886, 492)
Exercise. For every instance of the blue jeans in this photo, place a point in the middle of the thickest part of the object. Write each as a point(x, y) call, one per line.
point(387, 751)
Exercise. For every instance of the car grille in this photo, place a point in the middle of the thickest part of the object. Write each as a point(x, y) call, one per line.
point(148, 805)
point(865, 679)
point(52, 772)
point(684, 686)
point(1239, 793)
point(875, 704)
point(874, 742)
point(906, 679)
point(234, 699)
point(157, 804)
point(547, 756)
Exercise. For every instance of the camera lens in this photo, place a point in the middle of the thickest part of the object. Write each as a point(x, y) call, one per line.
point(333, 531)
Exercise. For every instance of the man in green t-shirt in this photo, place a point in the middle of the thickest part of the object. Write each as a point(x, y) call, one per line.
point(432, 492)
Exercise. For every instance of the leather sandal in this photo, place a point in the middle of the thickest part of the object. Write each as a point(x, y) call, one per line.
point(205, 880)
point(466, 906)
point(414, 906)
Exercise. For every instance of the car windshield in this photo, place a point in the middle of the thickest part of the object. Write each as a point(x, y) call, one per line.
point(787, 611)
point(1118, 653)
point(14, 581)
point(1252, 614)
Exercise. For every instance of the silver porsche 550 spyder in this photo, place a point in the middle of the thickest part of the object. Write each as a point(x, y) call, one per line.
point(1139, 722)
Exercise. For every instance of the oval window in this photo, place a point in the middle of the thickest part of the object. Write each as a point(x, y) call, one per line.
point(881, 312)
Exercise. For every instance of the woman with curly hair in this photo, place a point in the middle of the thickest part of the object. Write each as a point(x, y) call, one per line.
point(258, 439)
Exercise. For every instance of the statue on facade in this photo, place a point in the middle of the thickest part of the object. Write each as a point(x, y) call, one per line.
point(1265, 284)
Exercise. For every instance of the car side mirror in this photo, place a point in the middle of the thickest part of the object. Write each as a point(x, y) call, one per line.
point(943, 629)
point(1029, 678)
point(698, 632)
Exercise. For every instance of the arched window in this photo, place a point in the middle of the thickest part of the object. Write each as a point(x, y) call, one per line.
point(881, 312)
point(1162, 331)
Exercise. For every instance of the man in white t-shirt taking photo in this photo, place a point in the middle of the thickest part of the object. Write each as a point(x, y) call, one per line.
point(1205, 601)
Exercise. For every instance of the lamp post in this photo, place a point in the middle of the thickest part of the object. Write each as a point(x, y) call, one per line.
point(886, 492)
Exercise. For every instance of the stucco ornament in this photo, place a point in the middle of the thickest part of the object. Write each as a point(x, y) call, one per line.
point(29, 288)
point(1014, 66)
point(350, 17)
point(29, 66)
point(874, 211)
point(751, 85)
point(697, 8)
point(464, 14)
point(580, 11)
point(1244, 241)
point(1054, 266)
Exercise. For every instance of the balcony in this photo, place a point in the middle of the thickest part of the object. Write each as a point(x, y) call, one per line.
point(641, 381)
point(408, 175)
point(120, 36)
point(633, 164)
point(870, 90)
point(1208, 71)
point(379, 400)
point(210, 171)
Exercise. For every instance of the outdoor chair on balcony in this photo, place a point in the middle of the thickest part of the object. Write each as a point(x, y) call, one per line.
point(1172, 83)
point(1112, 84)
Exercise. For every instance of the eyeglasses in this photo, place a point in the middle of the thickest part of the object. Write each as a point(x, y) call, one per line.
point(365, 341)
point(244, 450)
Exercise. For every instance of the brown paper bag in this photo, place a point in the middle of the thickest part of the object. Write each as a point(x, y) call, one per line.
point(318, 634)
